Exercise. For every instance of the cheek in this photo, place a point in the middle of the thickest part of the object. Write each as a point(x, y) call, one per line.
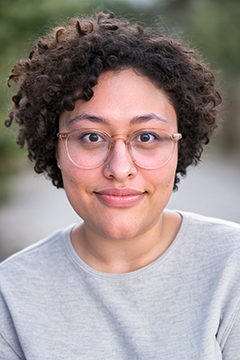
point(72, 178)
point(163, 179)
point(78, 183)
point(76, 187)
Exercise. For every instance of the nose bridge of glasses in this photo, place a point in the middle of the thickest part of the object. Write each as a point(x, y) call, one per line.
point(125, 139)
point(119, 136)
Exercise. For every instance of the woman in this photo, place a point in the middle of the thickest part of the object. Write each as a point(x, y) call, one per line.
point(114, 113)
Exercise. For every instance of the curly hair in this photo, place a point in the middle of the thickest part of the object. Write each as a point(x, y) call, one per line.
point(64, 66)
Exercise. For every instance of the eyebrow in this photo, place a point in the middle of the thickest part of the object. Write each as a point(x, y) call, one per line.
point(147, 117)
point(135, 120)
point(93, 118)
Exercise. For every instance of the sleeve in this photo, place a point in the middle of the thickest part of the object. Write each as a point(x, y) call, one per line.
point(7, 352)
point(10, 347)
point(231, 347)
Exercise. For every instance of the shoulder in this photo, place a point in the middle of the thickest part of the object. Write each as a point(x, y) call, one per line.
point(210, 226)
point(209, 254)
point(36, 258)
point(211, 239)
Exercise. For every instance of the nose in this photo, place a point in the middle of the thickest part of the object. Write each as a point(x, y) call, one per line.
point(120, 164)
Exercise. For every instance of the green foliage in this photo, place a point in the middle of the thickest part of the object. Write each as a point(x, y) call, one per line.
point(215, 24)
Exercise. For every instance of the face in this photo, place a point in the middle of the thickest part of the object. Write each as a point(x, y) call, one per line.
point(118, 199)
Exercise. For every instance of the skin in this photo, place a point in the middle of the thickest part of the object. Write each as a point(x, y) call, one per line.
point(120, 237)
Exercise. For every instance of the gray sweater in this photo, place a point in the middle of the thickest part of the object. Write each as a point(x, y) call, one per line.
point(183, 306)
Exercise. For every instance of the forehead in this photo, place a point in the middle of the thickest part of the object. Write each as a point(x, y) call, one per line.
point(122, 96)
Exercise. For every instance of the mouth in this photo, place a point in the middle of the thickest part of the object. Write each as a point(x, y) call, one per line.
point(120, 197)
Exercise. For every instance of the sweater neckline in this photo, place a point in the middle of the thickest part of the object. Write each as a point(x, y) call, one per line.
point(76, 259)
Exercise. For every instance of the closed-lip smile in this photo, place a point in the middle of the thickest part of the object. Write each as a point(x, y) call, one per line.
point(120, 197)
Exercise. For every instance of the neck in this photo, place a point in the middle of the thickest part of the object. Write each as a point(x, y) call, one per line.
point(122, 256)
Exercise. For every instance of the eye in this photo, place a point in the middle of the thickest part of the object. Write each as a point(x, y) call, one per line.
point(92, 137)
point(88, 139)
point(146, 137)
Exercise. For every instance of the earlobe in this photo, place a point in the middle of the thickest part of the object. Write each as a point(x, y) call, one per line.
point(57, 158)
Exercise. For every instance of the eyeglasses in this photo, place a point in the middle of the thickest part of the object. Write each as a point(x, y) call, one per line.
point(148, 148)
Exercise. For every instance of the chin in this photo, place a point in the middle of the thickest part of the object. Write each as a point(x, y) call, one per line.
point(120, 233)
point(123, 229)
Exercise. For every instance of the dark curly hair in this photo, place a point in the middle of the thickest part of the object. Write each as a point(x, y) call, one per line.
point(64, 66)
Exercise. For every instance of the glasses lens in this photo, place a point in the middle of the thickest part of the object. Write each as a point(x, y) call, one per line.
point(87, 149)
point(152, 149)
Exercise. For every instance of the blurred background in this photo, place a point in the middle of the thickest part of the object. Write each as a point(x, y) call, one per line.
point(30, 207)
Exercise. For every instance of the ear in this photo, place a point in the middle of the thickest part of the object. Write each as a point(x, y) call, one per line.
point(57, 157)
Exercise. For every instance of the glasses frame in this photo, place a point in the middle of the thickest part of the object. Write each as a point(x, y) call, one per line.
point(111, 141)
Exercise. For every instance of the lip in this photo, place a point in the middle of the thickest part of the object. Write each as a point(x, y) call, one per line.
point(117, 197)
